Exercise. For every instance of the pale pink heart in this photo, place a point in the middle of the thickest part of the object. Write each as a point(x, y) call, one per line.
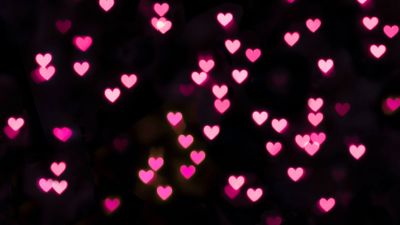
point(174, 118)
point(60, 187)
point(230, 192)
point(58, 168)
point(111, 204)
point(206, 65)
point(273, 220)
point(161, 9)
point(62, 133)
point(112, 94)
point(220, 91)
point(43, 60)
point(315, 118)
point(370, 22)
point(197, 156)
point(185, 140)
point(362, 1)
point(291, 38)
point(146, 176)
point(390, 31)
point(164, 192)
point(222, 105)
point(211, 132)
point(311, 148)
point(318, 138)
point(224, 19)
point(342, 108)
point(232, 46)
point(254, 194)
point(325, 65)
point(162, 24)
point(128, 80)
point(273, 148)
point(236, 182)
point(45, 185)
point(199, 78)
point(279, 125)
point(187, 171)
point(239, 76)
point(47, 72)
point(377, 51)
point(393, 103)
point(326, 204)
point(315, 103)
point(313, 25)
point(259, 117)
point(15, 123)
point(106, 4)
point(357, 151)
point(253, 54)
point(302, 141)
point(81, 68)
point(63, 25)
point(83, 42)
point(155, 163)
point(295, 173)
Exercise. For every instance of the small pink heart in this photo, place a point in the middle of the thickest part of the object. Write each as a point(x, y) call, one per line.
point(342, 108)
point(232, 45)
point(295, 173)
point(106, 5)
point(327, 204)
point(15, 123)
point(164, 192)
point(254, 194)
point(197, 156)
point(370, 22)
point(220, 91)
point(236, 182)
point(313, 25)
point(112, 94)
point(185, 140)
point(62, 133)
point(155, 163)
point(11, 134)
point(357, 151)
point(81, 68)
point(260, 117)
point(187, 171)
point(325, 65)
point(315, 118)
point(318, 138)
point(291, 38)
point(63, 25)
point(83, 43)
point(239, 76)
point(279, 125)
point(230, 192)
point(161, 9)
point(253, 54)
point(302, 141)
point(390, 31)
point(377, 51)
point(206, 65)
point(45, 185)
point(60, 187)
point(162, 24)
point(43, 60)
point(273, 148)
point(47, 72)
point(315, 103)
point(224, 19)
point(211, 131)
point(111, 204)
point(58, 168)
point(174, 118)
point(199, 78)
point(128, 80)
point(146, 176)
point(222, 105)
point(273, 220)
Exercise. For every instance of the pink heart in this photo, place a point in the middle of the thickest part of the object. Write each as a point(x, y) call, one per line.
point(58, 168)
point(63, 25)
point(315, 103)
point(63, 133)
point(224, 19)
point(273, 220)
point(187, 171)
point(206, 65)
point(273, 148)
point(232, 46)
point(327, 204)
point(146, 176)
point(83, 42)
point(295, 174)
point(15, 124)
point(236, 182)
point(357, 151)
point(112, 94)
point(253, 54)
point(260, 117)
point(377, 51)
point(315, 118)
point(220, 91)
point(211, 132)
point(128, 80)
point(325, 65)
point(43, 60)
point(111, 204)
point(239, 76)
point(174, 118)
point(302, 141)
point(342, 108)
point(81, 68)
point(370, 22)
point(60, 187)
point(106, 4)
point(291, 38)
point(45, 185)
point(185, 140)
point(362, 1)
point(155, 163)
point(318, 138)
point(199, 78)
point(230, 192)
point(197, 156)
point(311, 148)
point(222, 105)
point(313, 25)
point(47, 72)
point(162, 24)
point(164, 192)
point(393, 103)
point(390, 31)
point(279, 125)
point(161, 9)
point(254, 194)
point(11, 134)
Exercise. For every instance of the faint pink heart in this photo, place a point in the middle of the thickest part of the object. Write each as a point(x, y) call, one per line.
point(232, 45)
point(58, 168)
point(155, 163)
point(45, 185)
point(291, 38)
point(230, 192)
point(254, 194)
point(187, 171)
point(174, 118)
point(63, 25)
point(253, 54)
point(164, 192)
point(81, 68)
point(342, 108)
point(62, 133)
point(15, 123)
point(325, 65)
point(315, 103)
point(146, 176)
point(220, 91)
point(185, 140)
point(236, 182)
point(260, 117)
point(161, 9)
point(11, 134)
point(313, 25)
point(211, 131)
point(279, 125)
point(393, 103)
point(222, 105)
point(273, 220)
point(197, 156)
point(43, 60)
point(111, 204)
point(162, 24)
point(206, 65)
point(311, 148)
point(112, 94)
point(224, 19)
point(315, 118)
point(128, 80)
point(199, 78)
point(357, 151)
point(327, 204)
point(295, 173)
point(83, 43)
point(390, 31)
point(106, 5)
point(239, 76)
point(377, 51)
point(370, 22)
point(60, 186)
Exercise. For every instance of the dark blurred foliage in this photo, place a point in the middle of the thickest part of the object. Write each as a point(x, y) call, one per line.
point(367, 191)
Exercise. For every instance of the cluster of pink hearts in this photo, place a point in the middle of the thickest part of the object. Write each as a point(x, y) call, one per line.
point(58, 186)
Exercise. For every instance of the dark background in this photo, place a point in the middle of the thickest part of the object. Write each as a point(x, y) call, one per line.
point(367, 191)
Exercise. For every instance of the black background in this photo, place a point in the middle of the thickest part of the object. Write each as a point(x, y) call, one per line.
point(367, 191)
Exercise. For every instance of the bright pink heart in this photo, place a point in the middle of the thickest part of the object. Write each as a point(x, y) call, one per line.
point(155, 163)
point(174, 118)
point(162, 24)
point(211, 132)
point(187, 171)
point(302, 141)
point(393, 103)
point(83, 43)
point(63, 133)
point(357, 151)
point(236, 182)
point(326, 204)
point(220, 91)
point(15, 123)
point(273, 148)
point(58, 168)
point(254, 194)
point(315, 103)
point(239, 76)
point(230, 192)
point(253, 54)
point(111, 204)
point(295, 173)
point(313, 25)
point(315, 118)
point(45, 185)
point(362, 1)
point(311, 148)
point(279, 125)
point(390, 31)
point(260, 117)
point(161, 9)
point(47, 72)
point(81, 68)
point(146, 176)
point(197, 156)
point(370, 22)
point(185, 140)
point(63, 25)
point(377, 51)
point(106, 5)
point(112, 94)
point(128, 80)
point(291, 38)
point(232, 45)
point(206, 65)
point(318, 138)
point(342, 108)
point(199, 78)
point(224, 19)
point(325, 65)
point(60, 187)
point(43, 60)
point(164, 192)
point(222, 105)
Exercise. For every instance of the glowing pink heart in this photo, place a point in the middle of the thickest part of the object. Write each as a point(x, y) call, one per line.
point(357, 151)
point(128, 80)
point(63, 25)
point(311, 148)
point(220, 91)
point(315, 103)
point(112, 94)
point(185, 140)
point(106, 5)
point(232, 45)
point(45, 185)
point(81, 68)
point(174, 118)
point(260, 117)
point(291, 38)
point(325, 65)
point(206, 65)
point(155, 163)
point(111, 204)
point(58, 168)
point(199, 78)
point(253, 54)
point(224, 19)
point(187, 171)
point(326, 204)
point(295, 173)
point(211, 132)
point(377, 51)
point(47, 72)
point(162, 24)
point(222, 105)
point(315, 118)
point(239, 76)
point(273, 148)
point(342, 108)
point(83, 43)
point(390, 31)
point(313, 25)
point(254, 194)
point(197, 156)
point(362, 1)
point(63, 133)
point(43, 60)
point(146, 176)
point(318, 138)
point(279, 125)
point(15, 123)
point(161, 9)
point(236, 182)
point(370, 22)
point(60, 187)
point(393, 103)
point(164, 192)
point(302, 141)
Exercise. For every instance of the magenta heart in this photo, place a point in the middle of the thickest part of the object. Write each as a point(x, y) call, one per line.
point(393, 103)
point(111, 204)
point(164, 192)
point(230, 192)
point(342, 108)
point(63, 134)
point(63, 25)
point(83, 42)
point(197, 156)
point(156, 163)
point(273, 220)
point(187, 171)
point(390, 31)
point(318, 138)
point(253, 54)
